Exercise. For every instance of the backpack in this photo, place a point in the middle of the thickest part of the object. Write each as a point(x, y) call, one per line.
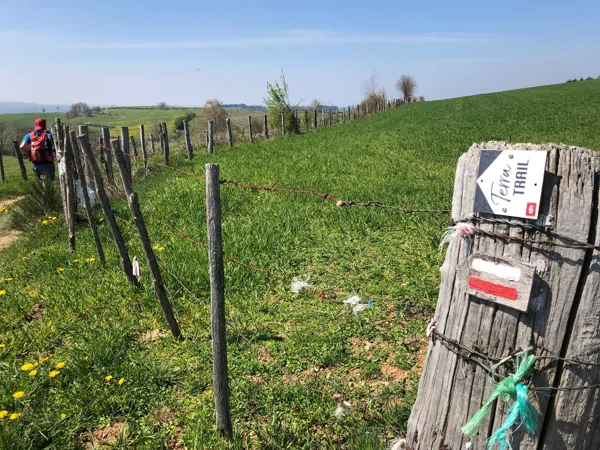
point(38, 149)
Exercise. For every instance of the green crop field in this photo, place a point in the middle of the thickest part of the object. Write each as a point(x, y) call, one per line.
point(104, 365)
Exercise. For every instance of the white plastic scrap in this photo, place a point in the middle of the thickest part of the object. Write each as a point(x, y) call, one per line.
point(79, 193)
point(460, 230)
point(352, 300)
point(430, 328)
point(360, 308)
point(342, 409)
point(357, 305)
point(298, 285)
point(400, 444)
point(468, 445)
point(135, 265)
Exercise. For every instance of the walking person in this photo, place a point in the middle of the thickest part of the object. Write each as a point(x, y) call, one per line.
point(37, 145)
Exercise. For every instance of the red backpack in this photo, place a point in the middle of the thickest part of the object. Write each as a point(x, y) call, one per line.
point(38, 152)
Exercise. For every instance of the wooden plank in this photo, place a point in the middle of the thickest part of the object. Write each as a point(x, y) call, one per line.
point(138, 219)
point(19, 156)
point(108, 155)
point(217, 300)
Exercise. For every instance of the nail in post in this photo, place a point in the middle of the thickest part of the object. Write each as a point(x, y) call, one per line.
point(217, 300)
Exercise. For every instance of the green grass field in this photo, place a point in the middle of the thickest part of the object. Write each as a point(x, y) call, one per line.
point(289, 354)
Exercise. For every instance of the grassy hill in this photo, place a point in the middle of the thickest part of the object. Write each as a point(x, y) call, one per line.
point(290, 355)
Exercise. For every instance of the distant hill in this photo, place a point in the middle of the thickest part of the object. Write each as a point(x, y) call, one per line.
point(245, 107)
point(21, 108)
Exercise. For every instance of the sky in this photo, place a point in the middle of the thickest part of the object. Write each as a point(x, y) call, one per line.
point(130, 52)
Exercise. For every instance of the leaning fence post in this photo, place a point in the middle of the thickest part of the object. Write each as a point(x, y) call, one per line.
point(165, 142)
point(229, 135)
point(108, 213)
point(315, 121)
point(330, 118)
point(211, 136)
point(108, 155)
point(125, 148)
point(217, 299)
point(143, 144)
point(2, 177)
point(20, 158)
point(152, 143)
point(138, 219)
point(266, 128)
point(188, 144)
point(282, 124)
point(134, 146)
point(77, 155)
point(69, 187)
point(250, 127)
point(306, 120)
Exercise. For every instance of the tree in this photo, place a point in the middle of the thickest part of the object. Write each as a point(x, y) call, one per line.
point(374, 95)
point(278, 102)
point(43, 110)
point(80, 109)
point(316, 104)
point(407, 86)
point(213, 110)
point(162, 106)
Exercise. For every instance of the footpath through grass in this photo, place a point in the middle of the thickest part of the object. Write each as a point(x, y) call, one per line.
point(290, 356)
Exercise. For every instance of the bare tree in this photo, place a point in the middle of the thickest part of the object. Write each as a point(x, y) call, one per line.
point(213, 110)
point(374, 95)
point(316, 104)
point(43, 110)
point(162, 105)
point(407, 86)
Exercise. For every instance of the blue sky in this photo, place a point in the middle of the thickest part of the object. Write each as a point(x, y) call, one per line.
point(185, 52)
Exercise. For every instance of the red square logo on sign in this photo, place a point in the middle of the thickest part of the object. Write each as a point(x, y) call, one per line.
point(531, 209)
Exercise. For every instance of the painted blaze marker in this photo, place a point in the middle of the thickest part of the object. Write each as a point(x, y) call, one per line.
point(510, 182)
point(501, 281)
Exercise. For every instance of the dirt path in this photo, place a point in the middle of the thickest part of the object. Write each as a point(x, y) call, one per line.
point(7, 237)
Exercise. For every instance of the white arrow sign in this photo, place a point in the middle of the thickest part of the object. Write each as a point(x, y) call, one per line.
point(510, 182)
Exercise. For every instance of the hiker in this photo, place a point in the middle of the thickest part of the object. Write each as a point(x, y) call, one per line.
point(37, 145)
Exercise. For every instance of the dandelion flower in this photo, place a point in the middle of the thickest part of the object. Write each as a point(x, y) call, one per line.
point(2, 345)
point(27, 367)
point(63, 415)
point(60, 269)
point(43, 360)
point(161, 249)
point(53, 373)
point(14, 416)
point(155, 247)
point(8, 279)
point(75, 260)
point(91, 260)
point(44, 222)
point(121, 381)
point(3, 414)
point(60, 365)
point(35, 364)
point(18, 394)
point(23, 258)
point(86, 358)
point(101, 219)
point(33, 373)
point(2, 292)
point(53, 218)
point(108, 377)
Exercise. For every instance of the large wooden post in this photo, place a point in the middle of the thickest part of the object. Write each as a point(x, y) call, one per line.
point(125, 148)
point(562, 319)
point(315, 121)
point(217, 299)
point(165, 142)
point(108, 155)
point(229, 135)
point(266, 127)
point(250, 127)
point(211, 136)
point(144, 151)
point(138, 219)
point(152, 143)
point(19, 156)
point(188, 144)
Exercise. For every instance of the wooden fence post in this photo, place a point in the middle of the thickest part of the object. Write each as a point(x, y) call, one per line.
point(165, 142)
point(133, 147)
point(107, 155)
point(211, 136)
point(561, 320)
point(229, 135)
point(282, 124)
point(19, 156)
point(161, 138)
point(188, 144)
point(266, 127)
point(143, 144)
point(71, 204)
point(306, 120)
point(138, 219)
point(125, 148)
point(217, 300)
point(2, 177)
point(108, 213)
point(330, 117)
point(250, 128)
point(152, 143)
point(315, 121)
point(59, 158)
point(77, 155)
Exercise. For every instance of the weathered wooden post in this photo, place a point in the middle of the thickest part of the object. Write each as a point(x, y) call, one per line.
point(138, 219)
point(282, 124)
point(165, 142)
point(315, 121)
point(143, 144)
point(133, 146)
point(108, 213)
point(229, 135)
point(152, 143)
point(211, 136)
point(19, 156)
point(125, 147)
point(526, 281)
point(188, 144)
point(306, 120)
point(77, 156)
point(107, 155)
point(67, 159)
point(161, 136)
point(217, 299)
point(2, 177)
point(250, 127)
point(358, 110)
point(266, 127)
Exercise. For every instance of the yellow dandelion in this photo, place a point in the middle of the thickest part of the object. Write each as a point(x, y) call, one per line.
point(60, 269)
point(155, 247)
point(63, 415)
point(75, 260)
point(91, 260)
point(33, 373)
point(8, 279)
point(53, 218)
point(101, 219)
point(2, 292)
point(18, 394)
point(44, 222)
point(108, 377)
point(53, 373)
point(27, 367)
point(161, 249)
point(3, 414)
point(43, 360)
point(35, 364)
point(14, 416)
point(2, 345)
point(24, 258)
point(60, 365)
point(121, 381)
point(86, 357)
